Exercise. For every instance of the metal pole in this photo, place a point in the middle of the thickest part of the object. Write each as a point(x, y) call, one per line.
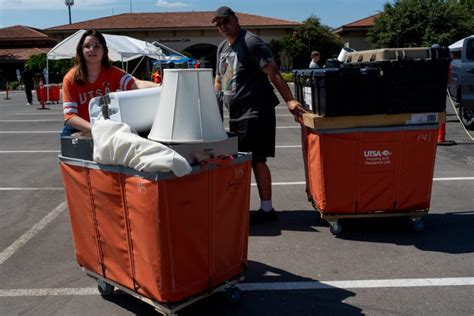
point(130, 6)
point(69, 9)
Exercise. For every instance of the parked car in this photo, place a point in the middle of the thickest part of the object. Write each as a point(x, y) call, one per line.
point(461, 81)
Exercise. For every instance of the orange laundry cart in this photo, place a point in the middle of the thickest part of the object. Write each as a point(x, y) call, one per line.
point(41, 94)
point(370, 171)
point(164, 239)
point(48, 93)
point(54, 93)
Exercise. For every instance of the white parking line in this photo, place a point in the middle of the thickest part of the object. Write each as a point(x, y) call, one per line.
point(434, 179)
point(25, 121)
point(30, 132)
point(275, 286)
point(42, 113)
point(356, 284)
point(27, 151)
point(288, 146)
point(17, 244)
point(454, 179)
point(285, 183)
point(253, 184)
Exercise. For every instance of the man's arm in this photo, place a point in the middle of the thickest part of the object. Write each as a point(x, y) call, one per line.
point(217, 84)
point(272, 71)
point(218, 90)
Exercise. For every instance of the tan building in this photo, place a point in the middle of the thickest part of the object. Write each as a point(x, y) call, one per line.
point(17, 44)
point(354, 34)
point(189, 32)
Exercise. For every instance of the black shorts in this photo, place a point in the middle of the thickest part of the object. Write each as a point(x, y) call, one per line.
point(256, 135)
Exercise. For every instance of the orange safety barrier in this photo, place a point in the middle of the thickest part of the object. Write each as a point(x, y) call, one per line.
point(371, 171)
point(165, 239)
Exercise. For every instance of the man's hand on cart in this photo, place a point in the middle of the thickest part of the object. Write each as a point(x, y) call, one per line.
point(295, 108)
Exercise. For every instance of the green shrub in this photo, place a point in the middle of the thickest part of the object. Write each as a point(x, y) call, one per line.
point(287, 76)
point(14, 85)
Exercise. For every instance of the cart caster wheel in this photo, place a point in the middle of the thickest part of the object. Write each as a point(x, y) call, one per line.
point(105, 289)
point(335, 228)
point(232, 294)
point(418, 225)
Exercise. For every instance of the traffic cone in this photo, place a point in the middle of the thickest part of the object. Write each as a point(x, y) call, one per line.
point(442, 136)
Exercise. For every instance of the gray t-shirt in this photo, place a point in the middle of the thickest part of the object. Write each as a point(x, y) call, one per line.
point(247, 89)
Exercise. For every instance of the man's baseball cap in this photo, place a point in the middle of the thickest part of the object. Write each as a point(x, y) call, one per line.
point(223, 12)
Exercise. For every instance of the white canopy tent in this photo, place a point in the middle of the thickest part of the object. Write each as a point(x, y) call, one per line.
point(121, 48)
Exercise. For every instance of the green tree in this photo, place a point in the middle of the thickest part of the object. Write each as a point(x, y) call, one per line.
point(295, 49)
point(57, 68)
point(410, 23)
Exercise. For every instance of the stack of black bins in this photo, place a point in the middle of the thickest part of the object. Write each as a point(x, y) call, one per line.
point(343, 91)
point(383, 81)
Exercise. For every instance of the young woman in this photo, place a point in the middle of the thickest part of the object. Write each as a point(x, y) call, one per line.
point(93, 75)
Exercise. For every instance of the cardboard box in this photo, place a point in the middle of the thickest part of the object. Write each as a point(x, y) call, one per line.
point(316, 122)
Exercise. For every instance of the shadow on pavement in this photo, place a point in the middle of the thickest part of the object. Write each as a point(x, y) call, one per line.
point(300, 220)
point(261, 302)
point(447, 233)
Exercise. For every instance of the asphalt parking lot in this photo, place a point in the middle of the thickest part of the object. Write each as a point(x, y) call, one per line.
point(296, 266)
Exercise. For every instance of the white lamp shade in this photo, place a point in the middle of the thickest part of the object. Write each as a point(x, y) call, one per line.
point(188, 110)
point(137, 108)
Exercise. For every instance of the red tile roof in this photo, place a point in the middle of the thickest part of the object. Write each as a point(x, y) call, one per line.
point(23, 33)
point(365, 22)
point(20, 53)
point(168, 20)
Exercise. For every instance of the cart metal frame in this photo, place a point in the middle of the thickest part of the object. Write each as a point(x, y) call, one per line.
point(106, 287)
point(336, 228)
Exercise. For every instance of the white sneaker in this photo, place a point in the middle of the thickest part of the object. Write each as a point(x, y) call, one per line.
point(28, 103)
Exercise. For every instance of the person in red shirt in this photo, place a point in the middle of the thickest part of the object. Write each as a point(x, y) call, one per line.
point(92, 75)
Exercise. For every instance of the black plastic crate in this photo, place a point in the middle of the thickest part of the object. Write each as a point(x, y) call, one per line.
point(412, 86)
point(344, 91)
point(74, 147)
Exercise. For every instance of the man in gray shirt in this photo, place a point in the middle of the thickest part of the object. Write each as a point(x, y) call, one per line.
point(244, 67)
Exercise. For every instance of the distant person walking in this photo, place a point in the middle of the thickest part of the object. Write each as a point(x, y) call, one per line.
point(27, 76)
point(244, 65)
point(314, 59)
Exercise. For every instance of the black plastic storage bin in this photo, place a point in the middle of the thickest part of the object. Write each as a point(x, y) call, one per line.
point(412, 80)
point(413, 86)
point(348, 90)
point(80, 148)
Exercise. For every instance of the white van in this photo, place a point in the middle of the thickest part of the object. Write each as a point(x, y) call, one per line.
point(461, 79)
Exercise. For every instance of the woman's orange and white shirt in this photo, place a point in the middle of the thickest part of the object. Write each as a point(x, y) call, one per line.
point(76, 98)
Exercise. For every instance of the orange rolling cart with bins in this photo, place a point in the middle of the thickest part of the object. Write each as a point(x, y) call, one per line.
point(370, 171)
point(166, 240)
point(369, 143)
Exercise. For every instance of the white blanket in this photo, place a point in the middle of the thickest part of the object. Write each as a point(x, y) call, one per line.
point(117, 144)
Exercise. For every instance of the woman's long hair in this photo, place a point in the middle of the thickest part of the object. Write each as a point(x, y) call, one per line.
point(81, 74)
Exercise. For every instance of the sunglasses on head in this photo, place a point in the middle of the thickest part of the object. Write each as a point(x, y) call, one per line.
point(224, 21)
point(94, 47)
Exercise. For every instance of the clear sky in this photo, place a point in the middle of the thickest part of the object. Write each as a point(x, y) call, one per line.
point(48, 13)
